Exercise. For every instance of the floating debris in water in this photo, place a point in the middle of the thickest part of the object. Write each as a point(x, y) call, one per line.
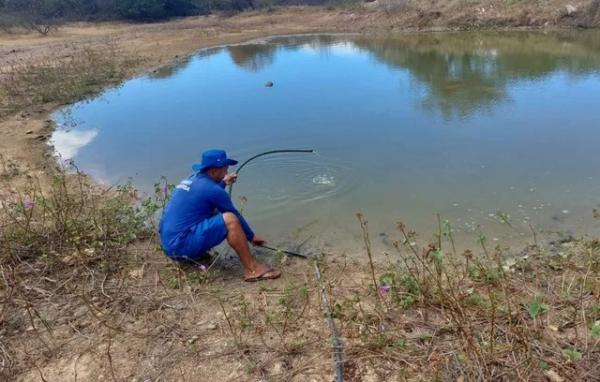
point(324, 179)
point(565, 211)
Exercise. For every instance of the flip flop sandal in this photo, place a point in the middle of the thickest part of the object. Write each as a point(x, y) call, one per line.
point(269, 274)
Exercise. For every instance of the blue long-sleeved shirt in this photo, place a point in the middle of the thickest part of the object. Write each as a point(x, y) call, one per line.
point(195, 199)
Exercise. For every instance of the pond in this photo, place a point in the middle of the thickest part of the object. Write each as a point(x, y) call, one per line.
point(483, 128)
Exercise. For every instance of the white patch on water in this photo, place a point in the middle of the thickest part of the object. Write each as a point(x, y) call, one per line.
point(67, 143)
point(324, 179)
point(338, 49)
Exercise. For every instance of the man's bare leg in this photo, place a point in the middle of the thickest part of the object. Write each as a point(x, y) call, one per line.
point(237, 240)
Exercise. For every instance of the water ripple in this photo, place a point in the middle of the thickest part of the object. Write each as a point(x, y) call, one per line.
point(282, 182)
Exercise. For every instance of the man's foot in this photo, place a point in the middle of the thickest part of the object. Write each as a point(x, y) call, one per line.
point(261, 272)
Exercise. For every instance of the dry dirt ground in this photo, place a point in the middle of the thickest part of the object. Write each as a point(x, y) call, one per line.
point(152, 322)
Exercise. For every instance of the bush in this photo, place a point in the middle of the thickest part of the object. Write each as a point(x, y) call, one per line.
point(8, 23)
point(142, 9)
point(73, 221)
point(48, 12)
point(41, 15)
point(37, 15)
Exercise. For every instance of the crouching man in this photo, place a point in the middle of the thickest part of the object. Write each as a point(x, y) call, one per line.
point(200, 215)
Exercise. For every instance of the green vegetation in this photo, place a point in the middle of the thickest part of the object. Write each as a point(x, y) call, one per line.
point(43, 15)
point(49, 11)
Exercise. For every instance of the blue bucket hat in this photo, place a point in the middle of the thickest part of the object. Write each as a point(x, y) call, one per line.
point(213, 158)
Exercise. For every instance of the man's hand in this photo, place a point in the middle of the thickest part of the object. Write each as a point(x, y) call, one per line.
point(258, 241)
point(230, 179)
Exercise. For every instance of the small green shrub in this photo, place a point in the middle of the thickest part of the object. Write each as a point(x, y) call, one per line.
point(537, 307)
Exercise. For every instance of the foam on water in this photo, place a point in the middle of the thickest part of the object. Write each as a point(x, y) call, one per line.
point(324, 179)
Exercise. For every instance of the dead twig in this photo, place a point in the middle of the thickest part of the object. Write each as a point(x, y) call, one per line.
point(337, 345)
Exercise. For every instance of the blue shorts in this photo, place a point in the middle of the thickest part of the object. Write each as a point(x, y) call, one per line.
point(200, 238)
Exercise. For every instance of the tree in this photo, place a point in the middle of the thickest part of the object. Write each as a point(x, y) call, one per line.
point(142, 9)
point(38, 15)
point(181, 8)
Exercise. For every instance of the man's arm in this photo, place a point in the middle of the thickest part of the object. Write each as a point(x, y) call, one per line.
point(223, 203)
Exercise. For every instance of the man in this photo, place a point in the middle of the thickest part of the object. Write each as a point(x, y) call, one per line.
point(200, 215)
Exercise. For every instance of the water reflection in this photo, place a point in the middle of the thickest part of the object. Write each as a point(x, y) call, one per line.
point(338, 48)
point(459, 73)
point(170, 70)
point(463, 73)
point(252, 57)
point(69, 142)
point(181, 64)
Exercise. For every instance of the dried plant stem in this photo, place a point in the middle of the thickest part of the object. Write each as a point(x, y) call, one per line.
point(535, 240)
point(230, 325)
point(367, 241)
point(108, 355)
point(337, 345)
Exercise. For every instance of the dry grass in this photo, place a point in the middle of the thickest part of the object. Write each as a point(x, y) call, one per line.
point(58, 80)
point(83, 292)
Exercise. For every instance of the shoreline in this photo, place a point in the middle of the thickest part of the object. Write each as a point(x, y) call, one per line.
point(182, 38)
point(499, 233)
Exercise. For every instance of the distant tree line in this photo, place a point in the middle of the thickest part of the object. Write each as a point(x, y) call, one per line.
point(43, 14)
point(103, 9)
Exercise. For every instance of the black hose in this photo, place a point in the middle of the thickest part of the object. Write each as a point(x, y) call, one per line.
point(263, 154)
point(284, 251)
point(258, 156)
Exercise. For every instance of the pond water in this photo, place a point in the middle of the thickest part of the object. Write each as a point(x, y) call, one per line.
point(476, 127)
